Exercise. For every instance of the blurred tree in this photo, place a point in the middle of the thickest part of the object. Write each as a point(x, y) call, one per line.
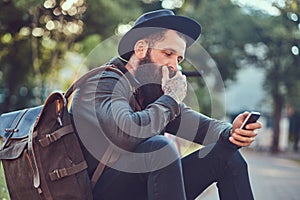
point(226, 30)
point(291, 14)
point(102, 17)
point(43, 32)
point(236, 37)
point(39, 38)
point(289, 61)
point(277, 51)
point(15, 54)
point(34, 37)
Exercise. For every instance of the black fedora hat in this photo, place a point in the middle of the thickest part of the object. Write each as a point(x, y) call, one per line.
point(154, 21)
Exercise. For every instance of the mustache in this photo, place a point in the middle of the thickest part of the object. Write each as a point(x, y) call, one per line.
point(171, 72)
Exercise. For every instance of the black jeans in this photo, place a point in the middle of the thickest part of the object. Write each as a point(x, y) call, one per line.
point(164, 176)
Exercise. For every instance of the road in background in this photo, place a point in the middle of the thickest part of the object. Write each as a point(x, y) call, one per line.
point(273, 177)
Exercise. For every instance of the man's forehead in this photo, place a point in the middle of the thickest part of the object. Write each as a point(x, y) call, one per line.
point(171, 41)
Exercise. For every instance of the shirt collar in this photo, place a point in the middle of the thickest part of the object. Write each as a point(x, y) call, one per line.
point(118, 63)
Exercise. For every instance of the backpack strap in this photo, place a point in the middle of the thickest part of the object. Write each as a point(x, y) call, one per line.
point(63, 172)
point(56, 135)
point(110, 155)
point(89, 74)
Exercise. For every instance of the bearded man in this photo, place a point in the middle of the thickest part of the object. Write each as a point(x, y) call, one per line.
point(129, 112)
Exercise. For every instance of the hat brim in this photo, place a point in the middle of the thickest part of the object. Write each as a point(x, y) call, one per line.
point(186, 26)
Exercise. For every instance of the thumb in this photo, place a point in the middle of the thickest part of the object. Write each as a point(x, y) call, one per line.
point(244, 115)
point(165, 75)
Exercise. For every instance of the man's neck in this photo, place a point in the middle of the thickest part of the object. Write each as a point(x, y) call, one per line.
point(131, 66)
point(130, 69)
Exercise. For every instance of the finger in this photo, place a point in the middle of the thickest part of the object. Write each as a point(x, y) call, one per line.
point(253, 126)
point(181, 78)
point(238, 143)
point(240, 119)
point(244, 115)
point(184, 77)
point(185, 82)
point(245, 133)
point(242, 138)
point(177, 75)
point(165, 75)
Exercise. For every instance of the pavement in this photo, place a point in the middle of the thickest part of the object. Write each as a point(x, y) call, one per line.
point(273, 177)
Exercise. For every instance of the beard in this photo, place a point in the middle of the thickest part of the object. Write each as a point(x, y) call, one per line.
point(149, 75)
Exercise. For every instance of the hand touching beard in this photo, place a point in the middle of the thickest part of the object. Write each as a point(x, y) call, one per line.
point(149, 75)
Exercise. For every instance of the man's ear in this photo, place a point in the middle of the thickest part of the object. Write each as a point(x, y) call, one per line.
point(140, 48)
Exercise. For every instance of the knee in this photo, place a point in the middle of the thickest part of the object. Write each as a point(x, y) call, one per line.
point(237, 164)
point(159, 151)
point(158, 143)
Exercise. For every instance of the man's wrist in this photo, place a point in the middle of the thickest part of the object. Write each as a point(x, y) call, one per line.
point(224, 138)
point(173, 96)
point(171, 103)
point(168, 91)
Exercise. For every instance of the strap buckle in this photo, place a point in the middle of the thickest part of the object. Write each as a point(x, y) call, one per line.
point(60, 173)
point(51, 138)
point(57, 174)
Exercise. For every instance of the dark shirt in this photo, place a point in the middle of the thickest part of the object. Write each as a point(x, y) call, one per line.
point(106, 111)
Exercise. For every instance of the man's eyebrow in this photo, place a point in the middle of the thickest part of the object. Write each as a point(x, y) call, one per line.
point(174, 51)
point(170, 49)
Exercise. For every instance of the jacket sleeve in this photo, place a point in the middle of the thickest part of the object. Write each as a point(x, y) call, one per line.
point(196, 127)
point(124, 127)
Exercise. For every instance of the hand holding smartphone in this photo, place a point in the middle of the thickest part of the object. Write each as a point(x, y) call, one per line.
point(251, 118)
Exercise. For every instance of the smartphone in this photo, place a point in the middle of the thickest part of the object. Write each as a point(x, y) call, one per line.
point(251, 118)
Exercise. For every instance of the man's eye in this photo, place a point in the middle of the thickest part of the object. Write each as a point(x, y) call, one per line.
point(169, 53)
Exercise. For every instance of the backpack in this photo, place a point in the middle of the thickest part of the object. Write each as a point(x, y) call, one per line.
point(41, 153)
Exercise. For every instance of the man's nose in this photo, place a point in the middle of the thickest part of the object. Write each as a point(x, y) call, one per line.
point(173, 70)
point(173, 66)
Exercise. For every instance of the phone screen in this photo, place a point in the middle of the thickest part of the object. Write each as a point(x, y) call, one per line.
point(251, 118)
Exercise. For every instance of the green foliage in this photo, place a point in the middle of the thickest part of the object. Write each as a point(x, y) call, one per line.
point(43, 42)
point(89, 43)
point(3, 189)
point(24, 4)
point(102, 17)
point(34, 38)
point(225, 32)
point(280, 34)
